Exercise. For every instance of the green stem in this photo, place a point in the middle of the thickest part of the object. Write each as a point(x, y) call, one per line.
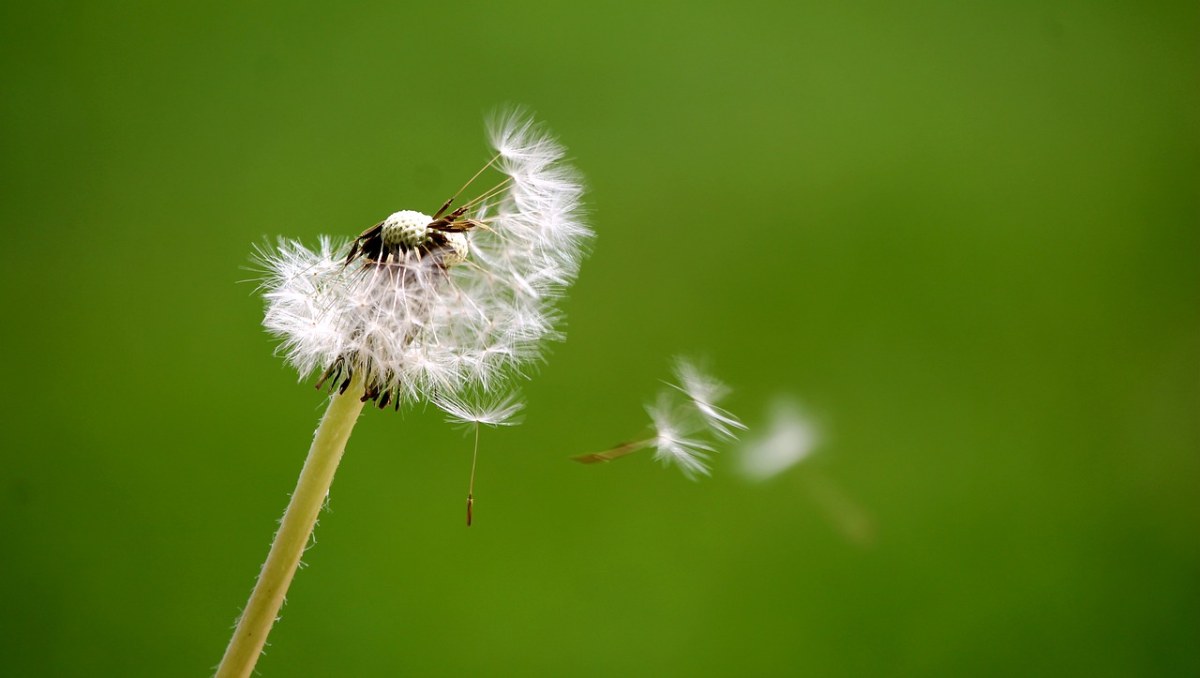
point(294, 532)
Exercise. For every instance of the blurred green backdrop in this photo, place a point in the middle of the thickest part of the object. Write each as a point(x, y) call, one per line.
point(966, 235)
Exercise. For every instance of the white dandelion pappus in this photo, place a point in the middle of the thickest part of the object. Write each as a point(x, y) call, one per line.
point(499, 410)
point(672, 427)
point(438, 304)
point(704, 392)
point(788, 438)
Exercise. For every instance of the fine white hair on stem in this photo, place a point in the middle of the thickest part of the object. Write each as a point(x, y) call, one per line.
point(424, 305)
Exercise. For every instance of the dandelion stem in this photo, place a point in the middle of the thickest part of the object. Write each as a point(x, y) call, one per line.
point(471, 485)
point(294, 532)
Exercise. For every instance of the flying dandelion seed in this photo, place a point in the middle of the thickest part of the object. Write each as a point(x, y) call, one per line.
point(787, 439)
point(686, 421)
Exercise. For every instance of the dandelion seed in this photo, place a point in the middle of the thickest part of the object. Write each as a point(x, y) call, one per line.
point(475, 412)
point(683, 427)
point(788, 438)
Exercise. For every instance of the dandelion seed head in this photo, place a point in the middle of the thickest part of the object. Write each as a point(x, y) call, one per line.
point(423, 307)
point(406, 227)
point(457, 249)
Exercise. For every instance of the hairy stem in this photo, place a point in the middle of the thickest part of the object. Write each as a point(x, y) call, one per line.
point(294, 531)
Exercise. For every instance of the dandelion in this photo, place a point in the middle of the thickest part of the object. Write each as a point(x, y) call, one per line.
point(418, 308)
point(684, 428)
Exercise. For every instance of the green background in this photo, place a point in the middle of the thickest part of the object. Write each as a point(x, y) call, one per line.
point(965, 235)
